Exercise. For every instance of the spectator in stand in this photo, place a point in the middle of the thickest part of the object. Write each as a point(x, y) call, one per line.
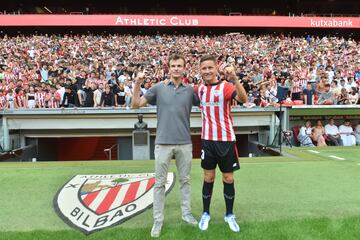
point(296, 89)
point(332, 133)
point(309, 94)
point(44, 72)
point(30, 98)
point(2, 99)
point(3, 85)
point(89, 94)
point(270, 94)
point(129, 93)
point(317, 134)
point(113, 83)
point(305, 135)
point(327, 97)
point(80, 85)
point(357, 73)
point(353, 96)
point(119, 71)
point(107, 97)
point(60, 89)
point(320, 86)
point(52, 99)
point(120, 95)
point(40, 96)
point(97, 95)
point(10, 100)
point(347, 134)
point(289, 83)
point(344, 85)
point(264, 101)
point(335, 89)
point(69, 98)
point(350, 83)
point(343, 98)
point(357, 134)
point(20, 100)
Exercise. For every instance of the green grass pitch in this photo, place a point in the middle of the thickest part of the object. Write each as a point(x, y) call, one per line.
point(304, 195)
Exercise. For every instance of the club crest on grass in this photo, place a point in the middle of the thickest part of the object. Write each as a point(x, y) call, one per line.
point(93, 202)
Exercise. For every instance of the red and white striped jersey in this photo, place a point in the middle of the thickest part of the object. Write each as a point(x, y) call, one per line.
point(215, 103)
point(9, 77)
point(40, 99)
point(54, 100)
point(2, 101)
point(33, 76)
point(297, 87)
point(20, 100)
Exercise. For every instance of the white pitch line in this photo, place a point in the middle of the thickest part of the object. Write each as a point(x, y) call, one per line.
point(338, 158)
point(313, 151)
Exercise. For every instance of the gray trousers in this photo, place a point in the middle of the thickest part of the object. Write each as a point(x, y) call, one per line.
point(163, 155)
point(336, 140)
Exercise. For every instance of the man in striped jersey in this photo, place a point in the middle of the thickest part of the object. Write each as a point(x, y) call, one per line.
point(173, 101)
point(218, 136)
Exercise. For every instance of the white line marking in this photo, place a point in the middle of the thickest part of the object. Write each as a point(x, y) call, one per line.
point(313, 151)
point(338, 158)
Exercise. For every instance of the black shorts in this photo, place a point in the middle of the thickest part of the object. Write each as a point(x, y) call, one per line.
point(220, 153)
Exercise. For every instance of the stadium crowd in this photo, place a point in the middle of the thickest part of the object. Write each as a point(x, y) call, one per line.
point(98, 71)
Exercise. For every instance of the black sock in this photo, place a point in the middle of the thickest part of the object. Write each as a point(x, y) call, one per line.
point(229, 195)
point(206, 195)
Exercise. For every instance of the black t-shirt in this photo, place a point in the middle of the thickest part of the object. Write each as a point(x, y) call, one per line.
point(69, 98)
point(80, 82)
point(246, 85)
point(120, 93)
point(108, 99)
point(309, 94)
point(89, 97)
point(118, 73)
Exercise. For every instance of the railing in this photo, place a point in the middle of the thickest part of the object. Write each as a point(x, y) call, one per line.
point(108, 151)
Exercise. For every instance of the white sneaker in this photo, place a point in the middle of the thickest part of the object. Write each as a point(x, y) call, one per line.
point(204, 221)
point(230, 219)
point(156, 229)
point(189, 218)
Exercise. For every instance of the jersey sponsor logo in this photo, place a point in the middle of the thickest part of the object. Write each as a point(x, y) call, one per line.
point(217, 93)
point(91, 203)
point(210, 104)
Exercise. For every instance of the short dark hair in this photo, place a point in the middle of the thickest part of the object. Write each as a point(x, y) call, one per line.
point(207, 58)
point(175, 57)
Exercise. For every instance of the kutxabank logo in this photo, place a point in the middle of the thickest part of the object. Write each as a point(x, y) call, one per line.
point(93, 202)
